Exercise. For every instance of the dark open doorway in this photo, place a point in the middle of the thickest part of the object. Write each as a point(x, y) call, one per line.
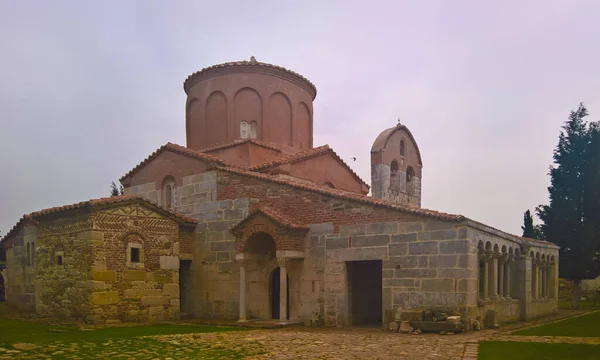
point(2, 299)
point(275, 294)
point(365, 292)
point(185, 288)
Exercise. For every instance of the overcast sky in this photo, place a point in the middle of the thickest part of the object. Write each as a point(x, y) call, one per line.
point(89, 89)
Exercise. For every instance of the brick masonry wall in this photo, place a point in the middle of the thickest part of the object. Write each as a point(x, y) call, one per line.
point(128, 291)
point(424, 261)
point(305, 206)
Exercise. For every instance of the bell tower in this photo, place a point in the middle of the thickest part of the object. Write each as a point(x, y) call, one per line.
point(396, 167)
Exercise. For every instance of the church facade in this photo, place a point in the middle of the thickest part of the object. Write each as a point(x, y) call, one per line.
point(250, 221)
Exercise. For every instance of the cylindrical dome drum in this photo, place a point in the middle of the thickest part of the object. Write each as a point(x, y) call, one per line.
point(249, 100)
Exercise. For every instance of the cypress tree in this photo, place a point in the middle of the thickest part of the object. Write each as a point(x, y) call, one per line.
point(571, 218)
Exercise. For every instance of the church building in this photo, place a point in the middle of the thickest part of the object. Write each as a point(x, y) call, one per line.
point(250, 221)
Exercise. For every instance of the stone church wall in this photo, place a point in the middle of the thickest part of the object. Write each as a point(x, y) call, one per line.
point(214, 272)
point(63, 266)
point(78, 265)
point(20, 273)
point(424, 264)
point(123, 290)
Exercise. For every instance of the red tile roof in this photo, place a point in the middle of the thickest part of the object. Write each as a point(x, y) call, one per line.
point(283, 219)
point(33, 218)
point(189, 82)
point(178, 149)
point(240, 142)
point(381, 141)
point(536, 241)
point(348, 195)
point(307, 154)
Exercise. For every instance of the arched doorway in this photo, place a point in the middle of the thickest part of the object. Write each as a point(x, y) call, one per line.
point(276, 294)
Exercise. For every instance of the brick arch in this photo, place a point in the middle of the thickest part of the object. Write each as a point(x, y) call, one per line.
point(135, 230)
point(276, 233)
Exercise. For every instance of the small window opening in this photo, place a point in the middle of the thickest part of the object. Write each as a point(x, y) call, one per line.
point(402, 148)
point(135, 255)
point(329, 185)
point(59, 260)
point(169, 196)
point(410, 173)
point(394, 168)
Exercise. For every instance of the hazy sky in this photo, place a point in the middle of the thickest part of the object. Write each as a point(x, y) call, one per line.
point(89, 89)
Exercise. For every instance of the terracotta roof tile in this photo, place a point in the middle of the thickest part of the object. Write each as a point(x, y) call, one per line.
point(277, 216)
point(178, 149)
point(536, 241)
point(381, 141)
point(33, 218)
point(348, 195)
point(188, 83)
point(240, 142)
point(307, 154)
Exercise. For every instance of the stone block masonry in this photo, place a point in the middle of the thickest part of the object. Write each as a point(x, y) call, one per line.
point(83, 268)
point(214, 271)
point(424, 264)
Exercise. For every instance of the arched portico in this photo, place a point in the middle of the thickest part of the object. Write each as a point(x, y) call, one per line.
point(265, 244)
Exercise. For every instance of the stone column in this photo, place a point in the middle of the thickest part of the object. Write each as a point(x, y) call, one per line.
point(538, 278)
point(508, 275)
point(534, 279)
point(545, 280)
point(486, 275)
point(283, 290)
point(242, 291)
point(501, 277)
point(494, 273)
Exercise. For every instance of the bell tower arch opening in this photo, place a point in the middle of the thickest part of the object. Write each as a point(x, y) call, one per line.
point(396, 167)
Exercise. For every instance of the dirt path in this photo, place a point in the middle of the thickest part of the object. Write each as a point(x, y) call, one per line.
point(337, 344)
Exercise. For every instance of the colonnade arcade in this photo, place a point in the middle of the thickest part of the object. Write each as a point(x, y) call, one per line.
point(542, 275)
point(498, 272)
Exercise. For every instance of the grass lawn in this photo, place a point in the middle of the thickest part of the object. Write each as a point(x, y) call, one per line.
point(583, 305)
point(496, 350)
point(581, 326)
point(106, 343)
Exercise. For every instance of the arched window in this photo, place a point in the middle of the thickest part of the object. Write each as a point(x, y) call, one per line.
point(402, 147)
point(168, 192)
point(330, 185)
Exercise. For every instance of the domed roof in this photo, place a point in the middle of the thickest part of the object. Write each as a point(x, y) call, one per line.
point(381, 140)
point(249, 66)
